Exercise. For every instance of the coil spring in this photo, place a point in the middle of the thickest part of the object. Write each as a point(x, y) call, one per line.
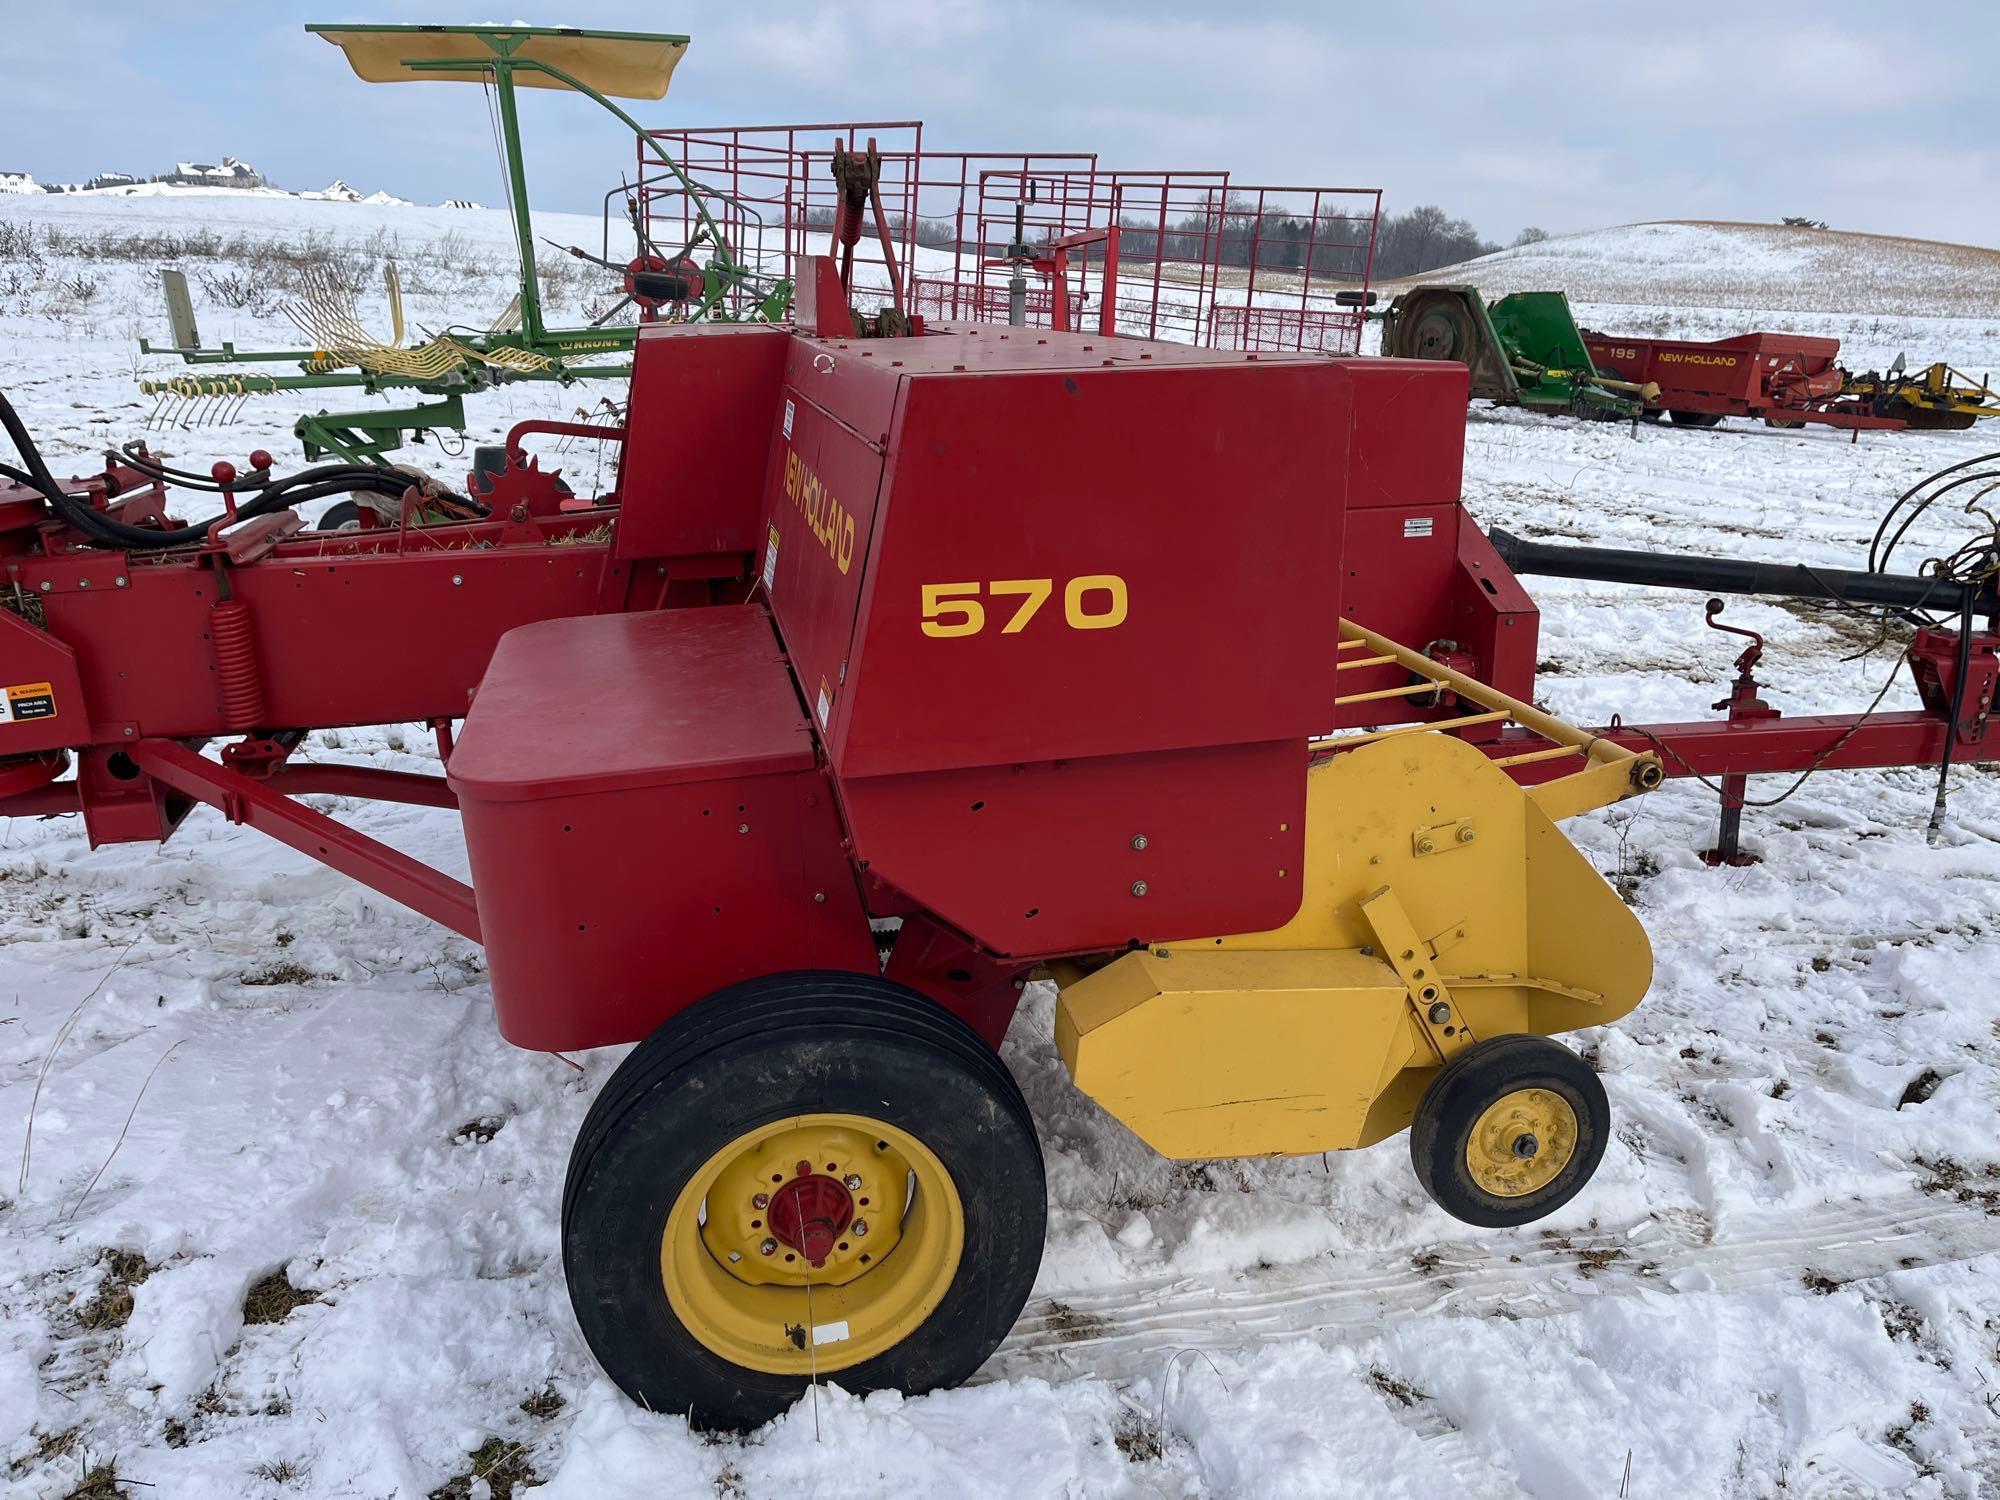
point(229, 630)
point(850, 222)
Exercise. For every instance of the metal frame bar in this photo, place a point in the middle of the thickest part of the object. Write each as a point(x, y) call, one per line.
point(257, 805)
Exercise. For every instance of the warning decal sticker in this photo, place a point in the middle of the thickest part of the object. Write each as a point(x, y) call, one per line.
point(825, 705)
point(29, 700)
point(771, 560)
point(1414, 526)
point(788, 419)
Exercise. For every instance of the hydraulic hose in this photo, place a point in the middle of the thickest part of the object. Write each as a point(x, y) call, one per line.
point(272, 494)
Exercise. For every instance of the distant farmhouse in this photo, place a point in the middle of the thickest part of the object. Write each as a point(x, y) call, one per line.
point(229, 172)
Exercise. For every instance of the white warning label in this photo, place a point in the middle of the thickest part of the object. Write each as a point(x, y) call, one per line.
point(1419, 525)
point(789, 411)
point(771, 560)
point(824, 707)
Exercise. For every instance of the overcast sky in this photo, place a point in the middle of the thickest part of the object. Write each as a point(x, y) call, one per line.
point(1565, 116)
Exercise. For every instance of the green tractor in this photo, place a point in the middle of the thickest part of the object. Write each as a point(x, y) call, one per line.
point(1524, 350)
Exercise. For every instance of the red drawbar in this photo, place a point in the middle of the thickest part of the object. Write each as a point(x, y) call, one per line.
point(646, 823)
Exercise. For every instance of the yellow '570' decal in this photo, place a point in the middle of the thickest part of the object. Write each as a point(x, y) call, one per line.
point(1093, 601)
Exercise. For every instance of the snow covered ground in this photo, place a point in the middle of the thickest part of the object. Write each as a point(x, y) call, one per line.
point(286, 1224)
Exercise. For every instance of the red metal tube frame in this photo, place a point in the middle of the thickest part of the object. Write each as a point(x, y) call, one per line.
point(1717, 747)
point(256, 804)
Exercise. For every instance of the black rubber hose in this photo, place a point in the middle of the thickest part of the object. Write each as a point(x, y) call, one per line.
point(1880, 564)
point(134, 455)
point(276, 494)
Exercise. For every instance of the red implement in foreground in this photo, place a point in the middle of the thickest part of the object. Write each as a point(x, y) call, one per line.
point(892, 672)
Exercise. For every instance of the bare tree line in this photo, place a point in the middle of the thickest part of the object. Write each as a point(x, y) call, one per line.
point(1335, 244)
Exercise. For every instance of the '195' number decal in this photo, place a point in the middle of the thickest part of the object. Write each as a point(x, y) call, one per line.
point(1095, 601)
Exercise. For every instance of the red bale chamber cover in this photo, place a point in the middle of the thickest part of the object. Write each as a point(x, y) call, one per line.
point(646, 823)
point(1063, 608)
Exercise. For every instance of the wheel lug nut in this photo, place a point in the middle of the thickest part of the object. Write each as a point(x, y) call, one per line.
point(760, 1201)
point(858, 1227)
point(853, 1182)
point(769, 1247)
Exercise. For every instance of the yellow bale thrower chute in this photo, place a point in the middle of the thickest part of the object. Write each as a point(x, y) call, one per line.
point(1447, 927)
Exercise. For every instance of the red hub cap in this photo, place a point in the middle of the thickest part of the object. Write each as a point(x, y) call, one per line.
point(810, 1213)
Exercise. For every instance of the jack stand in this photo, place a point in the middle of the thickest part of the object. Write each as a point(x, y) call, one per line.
point(1744, 707)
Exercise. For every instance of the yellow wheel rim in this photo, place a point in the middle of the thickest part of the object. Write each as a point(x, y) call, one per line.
point(1521, 1143)
point(812, 1243)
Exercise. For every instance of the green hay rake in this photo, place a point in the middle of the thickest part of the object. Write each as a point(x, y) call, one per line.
point(446, 367)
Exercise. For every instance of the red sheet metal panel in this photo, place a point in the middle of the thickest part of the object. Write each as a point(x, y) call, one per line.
point(1742, 376)
point(333, 628)
point(1096, 592)
point(819, 516)
point(604, 703)
point(646, 823)
point(695, 456)
point(1143, 537)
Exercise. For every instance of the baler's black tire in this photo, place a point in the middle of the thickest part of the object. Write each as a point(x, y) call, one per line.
point(758, 1054)
point(1695, 418)
point(337, 516)
point(1470, 1097)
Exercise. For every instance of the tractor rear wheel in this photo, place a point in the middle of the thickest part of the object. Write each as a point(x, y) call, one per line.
point(808, 1176)
point(1509, 1130)
point(1695, 418)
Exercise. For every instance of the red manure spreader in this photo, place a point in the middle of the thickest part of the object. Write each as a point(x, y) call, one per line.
point(942, 662)
point(1788, 379)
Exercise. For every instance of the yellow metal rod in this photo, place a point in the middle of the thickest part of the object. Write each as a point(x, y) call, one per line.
point(1363, 661)
point(1342, 742)
point(1530, 756)
point(1402, 692)
point(1525, 714)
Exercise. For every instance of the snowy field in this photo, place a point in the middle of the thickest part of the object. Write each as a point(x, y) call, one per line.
point(287, 1224)
point(1878, 295)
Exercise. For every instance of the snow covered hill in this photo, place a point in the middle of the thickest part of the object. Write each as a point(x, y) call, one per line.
point(1880, 296)
point(287, 1225)
point(1752, 267)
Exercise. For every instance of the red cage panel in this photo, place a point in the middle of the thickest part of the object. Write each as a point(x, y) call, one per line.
point(1200, 258)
